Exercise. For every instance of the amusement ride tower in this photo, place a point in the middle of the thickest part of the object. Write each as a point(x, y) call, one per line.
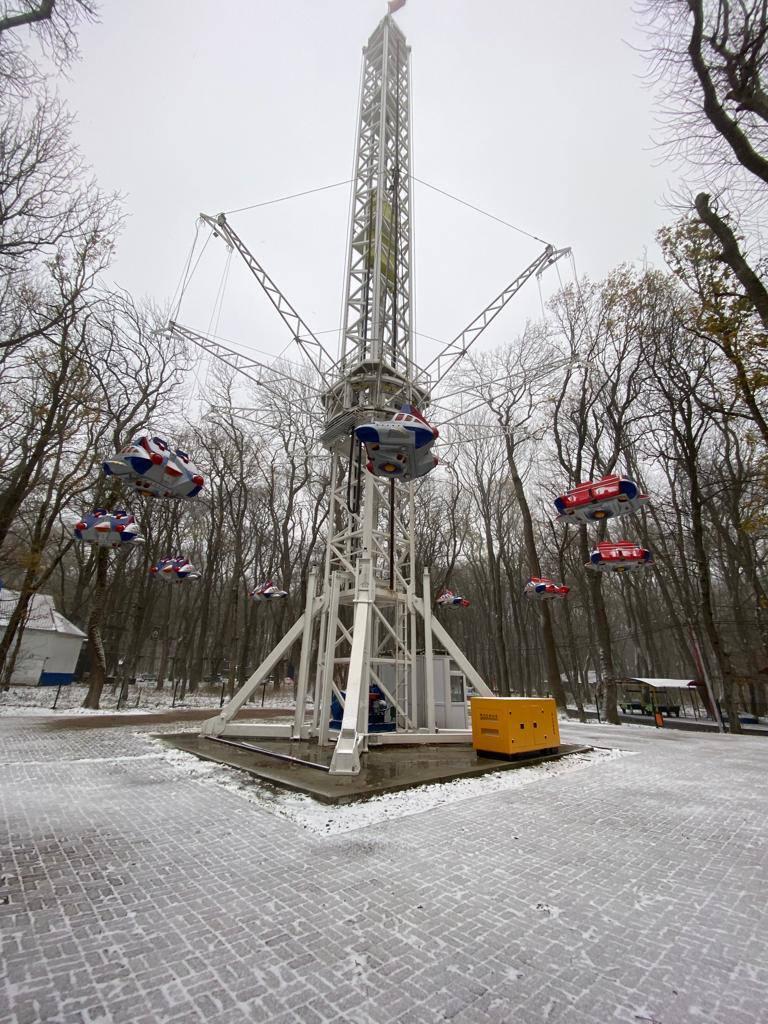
point(367, 621)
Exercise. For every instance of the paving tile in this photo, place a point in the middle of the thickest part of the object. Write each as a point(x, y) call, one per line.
point(132, 891)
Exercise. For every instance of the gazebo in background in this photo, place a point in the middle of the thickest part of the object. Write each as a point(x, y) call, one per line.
point(669, 697)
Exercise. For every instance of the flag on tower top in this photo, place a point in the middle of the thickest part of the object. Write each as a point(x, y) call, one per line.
point(395, 5)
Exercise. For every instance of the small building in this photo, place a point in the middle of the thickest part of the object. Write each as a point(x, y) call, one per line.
point(50, 645)
point(451, 703)
point(646, 696)
point(451, 692)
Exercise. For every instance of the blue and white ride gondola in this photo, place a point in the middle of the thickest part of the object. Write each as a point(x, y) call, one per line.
point(174, 570)
point(268, 591)
point(400, 448)
point(155, 468)
point(108, 529)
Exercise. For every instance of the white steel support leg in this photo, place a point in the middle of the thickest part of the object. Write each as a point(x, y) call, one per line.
point(317, 693)
point(299, 729)
point(429, 658)
point(354, 724)
point(216, 726)
point(329, 656)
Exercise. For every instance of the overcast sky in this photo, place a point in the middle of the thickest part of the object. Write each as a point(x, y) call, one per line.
point(535, 111)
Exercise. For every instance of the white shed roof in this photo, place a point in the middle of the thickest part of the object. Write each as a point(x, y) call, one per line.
point(42, 614)
point(663, 684)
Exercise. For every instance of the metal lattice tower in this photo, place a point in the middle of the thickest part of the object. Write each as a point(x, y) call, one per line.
point(368, 633)
point(373, 621)
point(378, 288)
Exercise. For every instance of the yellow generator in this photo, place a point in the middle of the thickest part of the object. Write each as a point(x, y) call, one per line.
point(504, 727)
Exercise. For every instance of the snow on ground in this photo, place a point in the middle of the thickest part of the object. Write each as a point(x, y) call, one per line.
point(38, 700)
point(139, 889)
point(329, 819)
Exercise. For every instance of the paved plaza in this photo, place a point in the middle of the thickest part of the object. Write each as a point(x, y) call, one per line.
point(137, 892)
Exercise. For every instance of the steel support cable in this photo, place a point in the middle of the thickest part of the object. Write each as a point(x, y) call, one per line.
point(179, 291)
point(190, 275)
point(411, 352)
point(392, 537)
point(539, 371)
point(492, 432)
point(349, 472)
point(264, 352)
point(541, 298)
point(218, 302)
point(479, 210)
point(559, 277)
point(295, 195)
point(426, 184)
point(359, 482)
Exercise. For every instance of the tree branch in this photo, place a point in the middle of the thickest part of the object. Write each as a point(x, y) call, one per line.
point(732, 255)
point(742, 149)
point(41, 13)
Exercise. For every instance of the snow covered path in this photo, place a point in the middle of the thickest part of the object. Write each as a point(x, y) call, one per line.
point(138, 891)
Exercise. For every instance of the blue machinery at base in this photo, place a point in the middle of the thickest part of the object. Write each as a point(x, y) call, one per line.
point(381, 714)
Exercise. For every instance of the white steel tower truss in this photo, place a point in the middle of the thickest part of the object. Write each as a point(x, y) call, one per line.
point(364, 623)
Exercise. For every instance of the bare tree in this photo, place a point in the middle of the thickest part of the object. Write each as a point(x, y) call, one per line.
point(52, 24)
point(517, 387)
point(720, 314)
point(710, 57)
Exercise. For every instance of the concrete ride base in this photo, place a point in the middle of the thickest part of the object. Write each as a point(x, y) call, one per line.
point(384, 769)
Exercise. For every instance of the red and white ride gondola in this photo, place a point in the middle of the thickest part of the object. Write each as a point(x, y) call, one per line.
point(599, 499)
point(619, 556)
point(541, 588)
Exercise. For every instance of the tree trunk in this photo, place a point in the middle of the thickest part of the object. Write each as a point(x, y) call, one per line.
point(96, 655)
point(14, 630)
point(534, 568)
point(603, 635)
point(722, 658)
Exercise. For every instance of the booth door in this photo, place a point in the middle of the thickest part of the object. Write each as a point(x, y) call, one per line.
point(456, 706)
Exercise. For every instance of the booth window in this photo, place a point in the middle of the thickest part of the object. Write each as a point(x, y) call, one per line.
point(457, 688)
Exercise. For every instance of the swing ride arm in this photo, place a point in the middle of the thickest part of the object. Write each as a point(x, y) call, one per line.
point(455, 350)
point(242, 364)
point(245, 365)
point(312, 347)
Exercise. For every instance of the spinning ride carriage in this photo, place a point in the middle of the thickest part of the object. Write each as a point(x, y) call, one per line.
point(619, 556)
point(447, 599)
point(174, 570)
point(601, 499)
point(399, 448)
point(541, 588)
point(108, 529)
point(268, 592)
point(155, 469)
